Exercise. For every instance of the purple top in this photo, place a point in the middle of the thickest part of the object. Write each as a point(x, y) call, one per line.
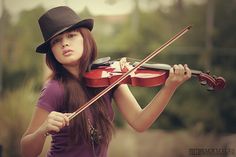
point(51, 99)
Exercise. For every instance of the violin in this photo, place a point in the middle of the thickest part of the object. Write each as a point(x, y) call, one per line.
point(103, 72)
point(214, 83)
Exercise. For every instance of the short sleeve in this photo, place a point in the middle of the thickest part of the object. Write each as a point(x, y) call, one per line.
point(51, 96)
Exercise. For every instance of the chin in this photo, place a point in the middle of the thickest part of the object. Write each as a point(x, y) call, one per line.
point(74, 63)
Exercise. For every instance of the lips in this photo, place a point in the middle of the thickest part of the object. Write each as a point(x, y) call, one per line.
point(67, 52)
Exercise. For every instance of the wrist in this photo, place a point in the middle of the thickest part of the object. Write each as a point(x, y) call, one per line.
point(43, 131)
point(171, 87)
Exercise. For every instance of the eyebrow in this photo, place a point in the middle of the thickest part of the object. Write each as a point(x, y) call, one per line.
point(68, 31)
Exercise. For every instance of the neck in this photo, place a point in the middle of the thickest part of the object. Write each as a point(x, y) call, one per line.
point(72, 69)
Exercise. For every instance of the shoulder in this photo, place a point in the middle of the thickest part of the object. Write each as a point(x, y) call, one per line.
point(52, 88)
point(52, 85)
point(51, 95)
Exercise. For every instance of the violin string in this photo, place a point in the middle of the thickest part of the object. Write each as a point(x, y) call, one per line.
point(133, 60)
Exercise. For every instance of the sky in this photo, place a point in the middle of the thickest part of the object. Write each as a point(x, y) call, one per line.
point(96, 7)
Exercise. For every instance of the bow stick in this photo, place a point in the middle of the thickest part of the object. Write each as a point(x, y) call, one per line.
point(120, 79)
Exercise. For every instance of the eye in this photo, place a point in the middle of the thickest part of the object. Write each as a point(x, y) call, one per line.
point(71, 35)
point(54, 41)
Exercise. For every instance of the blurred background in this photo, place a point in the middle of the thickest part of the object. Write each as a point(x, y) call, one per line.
point(194, 119)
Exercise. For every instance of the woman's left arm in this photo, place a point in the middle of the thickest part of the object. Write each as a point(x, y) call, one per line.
point(141, 119)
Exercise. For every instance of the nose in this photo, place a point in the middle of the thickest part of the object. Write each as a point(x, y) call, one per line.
point(64, 42)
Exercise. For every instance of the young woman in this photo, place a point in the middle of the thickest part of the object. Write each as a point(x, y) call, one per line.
point(70, 49)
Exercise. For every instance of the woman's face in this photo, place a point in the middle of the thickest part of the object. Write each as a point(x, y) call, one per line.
point(68, 47)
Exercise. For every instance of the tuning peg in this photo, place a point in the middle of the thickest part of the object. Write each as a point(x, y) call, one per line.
point(208, 72)
point(210, 88)
point(203, 82)
point(214, 76)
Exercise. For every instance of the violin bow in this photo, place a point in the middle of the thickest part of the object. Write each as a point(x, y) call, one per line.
point(120, 79)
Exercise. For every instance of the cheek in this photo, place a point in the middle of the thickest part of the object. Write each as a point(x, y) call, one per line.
point(58, 58)
point(80, 47)
point(57, 54)
point(81, 44)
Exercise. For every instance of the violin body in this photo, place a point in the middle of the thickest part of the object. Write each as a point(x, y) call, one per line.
point(104, 76)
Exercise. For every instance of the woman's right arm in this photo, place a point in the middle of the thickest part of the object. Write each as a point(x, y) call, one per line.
point(42, 122)
point(33, 139)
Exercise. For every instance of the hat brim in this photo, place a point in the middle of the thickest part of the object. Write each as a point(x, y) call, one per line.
point(44, 47)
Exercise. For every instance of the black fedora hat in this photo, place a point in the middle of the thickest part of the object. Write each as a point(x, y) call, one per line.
point(58, 20)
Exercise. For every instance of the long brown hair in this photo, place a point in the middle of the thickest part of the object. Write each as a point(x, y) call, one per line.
point(77, 94)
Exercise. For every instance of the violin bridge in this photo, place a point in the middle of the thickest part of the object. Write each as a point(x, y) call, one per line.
point(124, 65)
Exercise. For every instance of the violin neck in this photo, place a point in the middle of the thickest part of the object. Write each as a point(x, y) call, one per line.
point(165, 67)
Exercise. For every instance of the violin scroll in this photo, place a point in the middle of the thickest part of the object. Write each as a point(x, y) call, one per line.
point(213, 82)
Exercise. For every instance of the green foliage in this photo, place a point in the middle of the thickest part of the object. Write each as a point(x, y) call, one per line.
point(19, 65)
point(225, 24)
point(16, 110)
point(191, 106)
point(19, 60)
